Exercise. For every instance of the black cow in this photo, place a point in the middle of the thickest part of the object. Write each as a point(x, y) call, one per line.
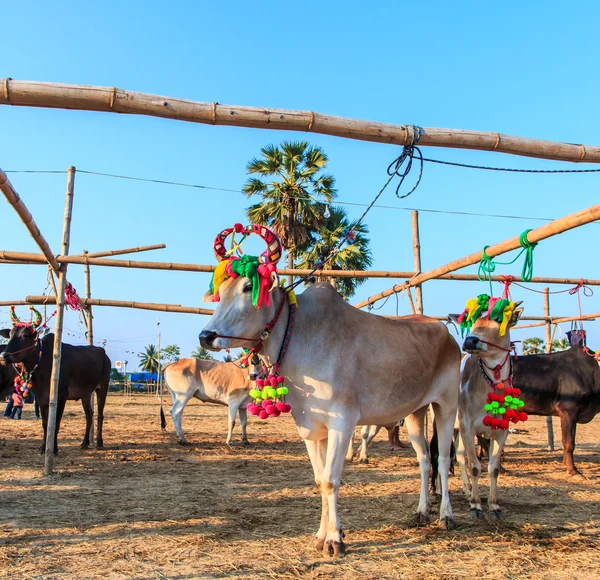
point(563, 384)
point(7, 378)
point(83, 370)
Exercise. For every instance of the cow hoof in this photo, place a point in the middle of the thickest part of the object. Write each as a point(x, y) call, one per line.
point(100, 445)
point(364, 461)
point(476, 513)
point(85, 446)
point(319, 544)
point(245, 442)
point(182, 441)
point(421, 519)
point(449, 523)
point(335, 549)
point(497, 514)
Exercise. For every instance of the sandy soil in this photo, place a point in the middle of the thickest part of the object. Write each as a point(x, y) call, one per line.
point(145, 507)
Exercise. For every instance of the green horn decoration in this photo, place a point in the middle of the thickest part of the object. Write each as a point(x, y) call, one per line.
point(38, 317)
point(13, 316)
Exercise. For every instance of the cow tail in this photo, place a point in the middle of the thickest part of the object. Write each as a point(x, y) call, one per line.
point(163, 421)
point(434, 454)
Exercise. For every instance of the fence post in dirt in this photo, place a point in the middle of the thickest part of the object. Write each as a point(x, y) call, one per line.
point(90, 333)
point(58, 329)
point(417, 259)
point(549, 425)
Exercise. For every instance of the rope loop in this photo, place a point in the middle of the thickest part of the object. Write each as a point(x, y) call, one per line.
point(397, 168)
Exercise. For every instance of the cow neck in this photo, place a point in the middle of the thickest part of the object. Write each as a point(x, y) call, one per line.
point(24, 377)
point(275, 348)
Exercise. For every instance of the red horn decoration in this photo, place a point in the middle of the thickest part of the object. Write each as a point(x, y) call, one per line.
point(271, 255)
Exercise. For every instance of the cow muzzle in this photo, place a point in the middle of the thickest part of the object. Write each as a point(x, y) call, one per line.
point(4, 359)
point(210, 340)
point(474, 345)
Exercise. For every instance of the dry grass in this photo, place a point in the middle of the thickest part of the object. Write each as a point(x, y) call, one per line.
point(146, 507)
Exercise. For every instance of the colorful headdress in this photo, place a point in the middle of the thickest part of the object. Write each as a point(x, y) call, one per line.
point(484, 306)
point(36, 318)
point(257, 268)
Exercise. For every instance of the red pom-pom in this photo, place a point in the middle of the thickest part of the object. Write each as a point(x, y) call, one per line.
point(487, 421)
point(500, 385)
point(239, 228)
point(287, 408)
point(517, 392)
point(504, 424)
point(523, 416)
point(280, 406)
point(273, 380)
point(270, 408)
point(280, 379)
point(266, 403)
point(515, 419)
point(263, 414)
point(275, 413)
point(260, 383)
point(496, 423)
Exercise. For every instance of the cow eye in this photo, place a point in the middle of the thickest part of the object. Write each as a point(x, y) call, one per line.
point(247, 287)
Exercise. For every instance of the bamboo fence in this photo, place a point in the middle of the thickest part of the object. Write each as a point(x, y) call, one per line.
point(114, 100)
point(123, 251)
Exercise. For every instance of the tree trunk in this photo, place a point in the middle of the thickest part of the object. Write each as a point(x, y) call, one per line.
point(291, 263)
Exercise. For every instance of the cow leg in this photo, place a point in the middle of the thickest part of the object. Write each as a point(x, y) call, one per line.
point(568, 426)
point(59, 413)
point(444, 421)
point(44, 409)
point(363, 456)
point(101, 395)
point(496, 447)
point(415, 425)
point(180, 400)
point(461, 457)
point(243, 423)
point(231, 423)
point(394, 439)
point(337, 443)
point(350, 452)
point(86, 403)
point(474, 466)
point(317, 451)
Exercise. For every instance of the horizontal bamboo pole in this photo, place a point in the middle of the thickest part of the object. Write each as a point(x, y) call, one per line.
point(553, 228)
point(122, 304)
point(110, 99)
point(124, 251)
point(20, 257)
point(559, 320)
point(13, 198)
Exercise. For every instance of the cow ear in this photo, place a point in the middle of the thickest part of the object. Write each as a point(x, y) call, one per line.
point(517, 313)
point(274, 281)
point(208, 297)
point(5, 333)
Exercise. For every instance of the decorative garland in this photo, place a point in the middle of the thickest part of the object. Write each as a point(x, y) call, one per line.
point(484, 306)
point(23, 379)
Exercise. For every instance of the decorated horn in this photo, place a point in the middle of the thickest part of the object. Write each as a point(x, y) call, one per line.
point(13, 316)
point(37, 317)
point(271, 255)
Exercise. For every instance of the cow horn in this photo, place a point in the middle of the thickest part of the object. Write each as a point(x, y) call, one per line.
point(13, 316)
point(271, 255)
point(38, 317)
point(517, 304)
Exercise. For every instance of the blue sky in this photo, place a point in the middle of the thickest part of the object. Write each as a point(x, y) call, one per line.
point(519, 68)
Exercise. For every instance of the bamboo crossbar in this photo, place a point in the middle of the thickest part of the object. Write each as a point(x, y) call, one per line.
point(8, 257)
point(548, 230)
point(13, 198)
point(111, 99)
point(558, 320)
point(123, 251)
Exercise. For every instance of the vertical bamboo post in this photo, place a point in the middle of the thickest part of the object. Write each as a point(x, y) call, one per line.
point(90, 334)
point(417, 259)
point(549, 425)
point(58, 330)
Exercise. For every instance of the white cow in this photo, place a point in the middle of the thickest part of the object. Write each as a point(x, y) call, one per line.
point(211, 382)
point(345, 367)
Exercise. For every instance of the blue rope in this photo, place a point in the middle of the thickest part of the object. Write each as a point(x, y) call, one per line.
point(396, 169)
point(512, 170)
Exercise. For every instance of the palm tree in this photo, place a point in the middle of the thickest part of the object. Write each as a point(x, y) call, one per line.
point(351, 256)
point(533, 345)
point(291, 184)
point(560, 344)
point(202, 353)
point(149, 359)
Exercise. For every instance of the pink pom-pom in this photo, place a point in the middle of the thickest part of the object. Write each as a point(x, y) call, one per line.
point(260, 383)
point(253, 409)
point(280, 405)
point(270, 408)
point(263, 415)
point(287, 408)
point(275, 413)
point(273, 380)
point(266, 403)
point(280, 379)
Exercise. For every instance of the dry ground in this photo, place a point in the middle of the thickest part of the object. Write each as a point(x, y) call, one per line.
point(145, 507)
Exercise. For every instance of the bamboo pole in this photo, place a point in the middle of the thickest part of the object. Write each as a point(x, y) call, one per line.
point(13, 198)
point(90, 335)
point(553, 228)
point(58, 330)
point(111, 99)
point(559, 321)
point(417, 258)
point(123, 251)
point(8, 257)
point(549, 427)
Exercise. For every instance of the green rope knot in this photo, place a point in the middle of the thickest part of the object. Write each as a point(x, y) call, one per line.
point(247, 267)
point(528, 247)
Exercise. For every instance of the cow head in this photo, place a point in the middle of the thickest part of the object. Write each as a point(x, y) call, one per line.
point(22, 338)
point(255, 367)
point(488, 322)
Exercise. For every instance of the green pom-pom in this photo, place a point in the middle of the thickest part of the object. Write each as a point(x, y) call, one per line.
point(255, 393)
point(488, 407)
point(495, 404)
point(508, 399)
point(501, 410)
point(284, 390)
point(521, 403)
point(272, 393)
point(264, 395)
point(280, 391)
point(494, 411)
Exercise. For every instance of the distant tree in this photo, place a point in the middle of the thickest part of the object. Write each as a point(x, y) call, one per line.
point(116, 376)
point(149, 359)
point(291, 184)
point(227, 358)
point(533, 345)
point(170, 354)
point(560, 344)
point(202, 353)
